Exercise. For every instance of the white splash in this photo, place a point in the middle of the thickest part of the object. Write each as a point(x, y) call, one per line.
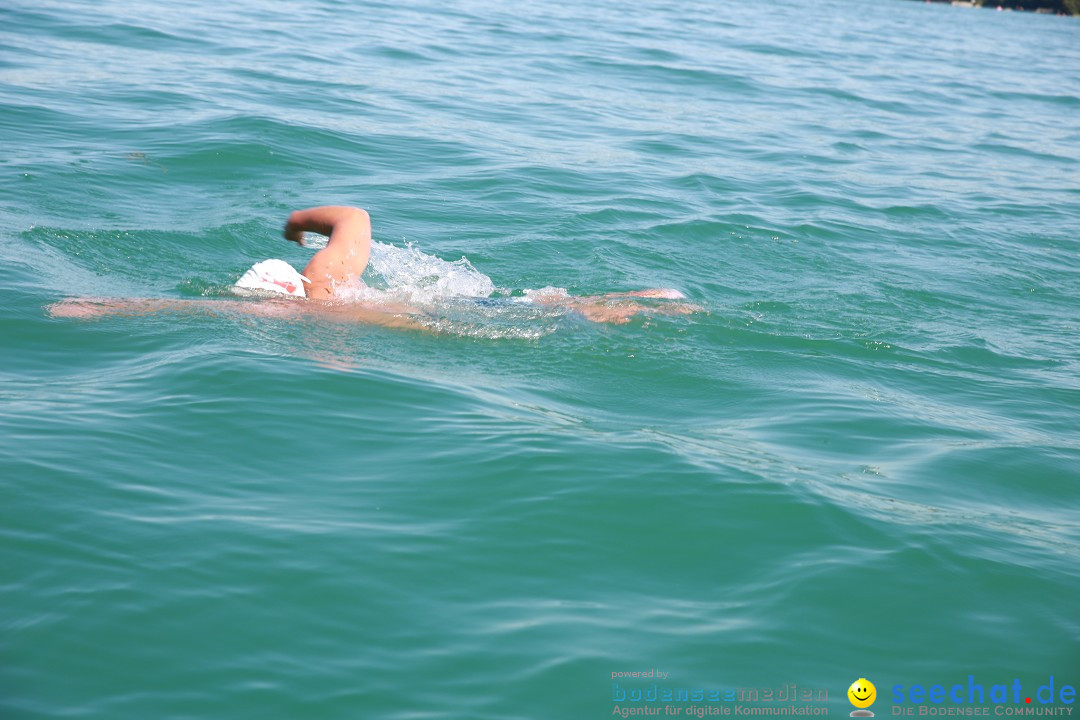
point(411, 275)
point(548, 292)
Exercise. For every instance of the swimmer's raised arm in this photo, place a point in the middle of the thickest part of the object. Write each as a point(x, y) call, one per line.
point(344, 258)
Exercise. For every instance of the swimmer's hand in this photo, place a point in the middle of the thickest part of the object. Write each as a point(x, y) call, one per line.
point(293, 233)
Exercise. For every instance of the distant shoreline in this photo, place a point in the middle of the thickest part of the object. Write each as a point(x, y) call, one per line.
point(1045, 7)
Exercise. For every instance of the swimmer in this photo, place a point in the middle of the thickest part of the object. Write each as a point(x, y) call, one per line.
point(341, 264)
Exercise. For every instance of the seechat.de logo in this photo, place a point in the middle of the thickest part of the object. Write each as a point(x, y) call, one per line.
point(862, 695)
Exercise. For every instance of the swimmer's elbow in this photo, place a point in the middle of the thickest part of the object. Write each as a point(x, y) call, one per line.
point(354, 214)
point(353, 222)
point(358, 221)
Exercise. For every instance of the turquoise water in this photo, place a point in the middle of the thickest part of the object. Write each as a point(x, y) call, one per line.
point(858, 460)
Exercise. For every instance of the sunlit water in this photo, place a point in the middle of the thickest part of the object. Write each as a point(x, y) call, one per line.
point(858, 459)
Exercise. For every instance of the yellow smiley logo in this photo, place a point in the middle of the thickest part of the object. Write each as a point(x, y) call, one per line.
point(862, 694)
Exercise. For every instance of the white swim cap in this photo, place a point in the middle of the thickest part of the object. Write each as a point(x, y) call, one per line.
point(274, 276)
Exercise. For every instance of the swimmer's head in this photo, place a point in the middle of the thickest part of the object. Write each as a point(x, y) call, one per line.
point(275, 276)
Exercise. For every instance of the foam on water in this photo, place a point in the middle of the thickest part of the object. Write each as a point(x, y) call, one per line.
point(421, 278)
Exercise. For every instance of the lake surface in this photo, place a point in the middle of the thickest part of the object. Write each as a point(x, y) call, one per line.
point(857, 460)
